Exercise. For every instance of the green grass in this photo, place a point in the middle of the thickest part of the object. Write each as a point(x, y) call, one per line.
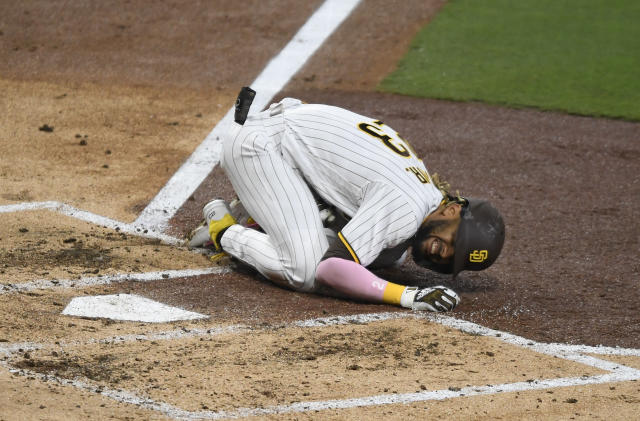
point(578, 56)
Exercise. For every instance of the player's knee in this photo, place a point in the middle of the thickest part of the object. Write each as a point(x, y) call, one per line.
point(301, 278)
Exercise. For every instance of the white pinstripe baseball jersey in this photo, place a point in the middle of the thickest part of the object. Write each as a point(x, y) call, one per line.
point(364, 168)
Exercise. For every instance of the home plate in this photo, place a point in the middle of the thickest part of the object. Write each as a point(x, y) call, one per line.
point(127, 307)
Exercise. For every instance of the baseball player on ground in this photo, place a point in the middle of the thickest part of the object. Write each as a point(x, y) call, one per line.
point(373, 191)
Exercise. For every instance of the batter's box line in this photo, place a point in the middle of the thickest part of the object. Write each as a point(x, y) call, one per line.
point(89, 281)
point(574, 353)
point(83, 215)
point(174, 412)
point(555, 349)
point(617, 372)
point(566, 351)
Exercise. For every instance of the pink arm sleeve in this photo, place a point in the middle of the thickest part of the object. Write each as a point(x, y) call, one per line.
point(351, 279)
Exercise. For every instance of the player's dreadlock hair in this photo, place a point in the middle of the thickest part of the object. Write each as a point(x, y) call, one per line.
point(445, 188)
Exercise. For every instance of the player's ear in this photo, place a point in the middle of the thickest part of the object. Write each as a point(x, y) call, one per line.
point(452, 211)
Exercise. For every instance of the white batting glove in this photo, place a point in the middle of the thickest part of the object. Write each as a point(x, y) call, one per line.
point(438, 299)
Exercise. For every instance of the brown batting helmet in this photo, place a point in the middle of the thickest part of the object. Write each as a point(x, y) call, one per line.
point(480, 236)
point(478, 242)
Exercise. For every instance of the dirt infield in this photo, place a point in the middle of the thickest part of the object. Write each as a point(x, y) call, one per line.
point(103, 101)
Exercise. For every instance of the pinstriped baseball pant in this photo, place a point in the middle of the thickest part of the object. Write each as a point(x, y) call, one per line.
point(277, 197)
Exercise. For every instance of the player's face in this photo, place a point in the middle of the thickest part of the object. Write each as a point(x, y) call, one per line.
point(437, 237)
point(439, 244)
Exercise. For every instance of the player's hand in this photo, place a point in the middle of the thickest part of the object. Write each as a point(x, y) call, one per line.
point(439, 299)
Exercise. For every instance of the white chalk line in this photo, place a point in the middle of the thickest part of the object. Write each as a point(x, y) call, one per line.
point(541, 347)
point(617, 372)
point(174, 412)
point(554, 349)
point(270, 81)
point(93, 218)
point(118, 226)
point(86, 385)
point(109, 279)
point(407, 398)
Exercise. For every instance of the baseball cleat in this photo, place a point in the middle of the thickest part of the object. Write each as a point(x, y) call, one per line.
point(438, 299)
point(218, 218)
point(240, 213)
point(199, 236)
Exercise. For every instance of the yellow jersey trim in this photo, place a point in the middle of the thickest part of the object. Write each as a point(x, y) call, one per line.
point(348, 246)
